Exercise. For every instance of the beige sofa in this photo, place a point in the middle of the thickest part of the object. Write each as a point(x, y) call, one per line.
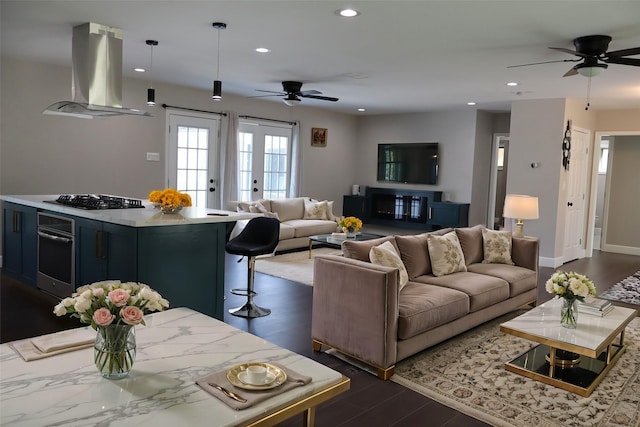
point(300, 217)
point(359, 310)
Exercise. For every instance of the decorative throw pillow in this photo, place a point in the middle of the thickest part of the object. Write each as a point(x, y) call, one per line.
point(497, 247)
point(446, 254)
point(315, 210)
point(385, 254)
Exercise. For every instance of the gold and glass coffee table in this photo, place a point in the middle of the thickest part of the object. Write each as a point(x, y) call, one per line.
point(571, 359)
point(333, 242)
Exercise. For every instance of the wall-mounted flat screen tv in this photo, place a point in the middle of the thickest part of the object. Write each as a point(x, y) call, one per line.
point(415, 163)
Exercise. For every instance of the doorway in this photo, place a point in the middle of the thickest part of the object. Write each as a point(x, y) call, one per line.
point(192, 157)
point(498, 181)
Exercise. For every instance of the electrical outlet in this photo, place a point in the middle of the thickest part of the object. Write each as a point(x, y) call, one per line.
point(153, 157)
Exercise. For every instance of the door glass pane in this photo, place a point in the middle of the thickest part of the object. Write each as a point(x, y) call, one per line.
point(245, 155)
point(193, 163)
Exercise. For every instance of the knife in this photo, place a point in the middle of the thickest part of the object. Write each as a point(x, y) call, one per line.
point(229, 393)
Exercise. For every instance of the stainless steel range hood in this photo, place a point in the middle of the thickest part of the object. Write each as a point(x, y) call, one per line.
point(96, 87)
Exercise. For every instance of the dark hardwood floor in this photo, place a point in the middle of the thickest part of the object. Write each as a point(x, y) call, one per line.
point(26, 312)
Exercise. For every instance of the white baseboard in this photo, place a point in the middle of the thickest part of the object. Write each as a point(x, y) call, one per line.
point(628, 250)
point(550, 262)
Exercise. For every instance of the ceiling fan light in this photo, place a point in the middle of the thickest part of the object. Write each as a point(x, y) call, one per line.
point(591, 70)
point(291, 100)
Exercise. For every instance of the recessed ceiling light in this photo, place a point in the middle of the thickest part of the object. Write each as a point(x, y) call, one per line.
point(262, 50)
point(512, 84)
point(471, 103)
point(347, 13)
point(139, 70)
point(361, 109)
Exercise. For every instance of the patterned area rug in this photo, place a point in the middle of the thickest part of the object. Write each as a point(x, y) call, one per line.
point(294, 266)
point(467, 373)
point(627, 290)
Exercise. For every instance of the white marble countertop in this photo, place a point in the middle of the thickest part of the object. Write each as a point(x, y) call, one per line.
point(147, 217)
point(176, 347)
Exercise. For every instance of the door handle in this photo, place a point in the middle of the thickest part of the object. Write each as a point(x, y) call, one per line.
point(100, 252)
point(255, 190)
point(569, 204)
point(52, 237)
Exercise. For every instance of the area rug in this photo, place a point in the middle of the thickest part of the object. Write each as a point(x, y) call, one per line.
point(467, 373)
point(294, 266)
point(627, 290)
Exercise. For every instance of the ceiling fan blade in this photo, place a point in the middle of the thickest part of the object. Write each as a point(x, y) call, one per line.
point(623, 61)
point(308, 92)
point(271, 91)
point(624, 52)
point(545, 62)
point(572, 72)
point(572, 52)
point(265, 96)
point(324, 98)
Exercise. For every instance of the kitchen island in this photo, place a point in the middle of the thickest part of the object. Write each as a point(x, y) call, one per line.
point(179, 255)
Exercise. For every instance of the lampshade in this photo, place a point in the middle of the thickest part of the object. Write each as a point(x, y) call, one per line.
point(217, 90)
point(520, 207)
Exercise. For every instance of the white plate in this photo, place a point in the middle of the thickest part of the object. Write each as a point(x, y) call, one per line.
point(244, 377)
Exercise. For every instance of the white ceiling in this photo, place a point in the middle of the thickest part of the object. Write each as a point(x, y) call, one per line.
point(396, 57)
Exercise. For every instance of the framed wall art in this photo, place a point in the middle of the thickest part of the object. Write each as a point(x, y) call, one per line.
point(318, 137)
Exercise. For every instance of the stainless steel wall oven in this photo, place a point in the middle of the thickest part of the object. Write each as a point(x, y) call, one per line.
point(56, 254)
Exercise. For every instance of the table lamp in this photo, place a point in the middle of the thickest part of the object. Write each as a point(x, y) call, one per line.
point(520, 207)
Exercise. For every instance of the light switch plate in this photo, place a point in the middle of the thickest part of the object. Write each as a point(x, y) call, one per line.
point(153, 157)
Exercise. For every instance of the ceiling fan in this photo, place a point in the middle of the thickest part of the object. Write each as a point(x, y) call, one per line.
point(593, 56)
point(292, 93)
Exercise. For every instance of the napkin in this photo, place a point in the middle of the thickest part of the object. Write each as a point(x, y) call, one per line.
point(50, 345)
point(294, 379)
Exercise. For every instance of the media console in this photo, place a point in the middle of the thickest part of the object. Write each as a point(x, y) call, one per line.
point(406, 209)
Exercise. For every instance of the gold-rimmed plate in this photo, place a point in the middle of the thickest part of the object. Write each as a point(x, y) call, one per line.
point(235, 374)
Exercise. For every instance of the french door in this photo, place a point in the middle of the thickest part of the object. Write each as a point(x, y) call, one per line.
point(264, 161)
point(192, 157)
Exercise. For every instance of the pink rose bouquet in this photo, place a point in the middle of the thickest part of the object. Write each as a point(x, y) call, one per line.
point(112, 308)
point(111, 302)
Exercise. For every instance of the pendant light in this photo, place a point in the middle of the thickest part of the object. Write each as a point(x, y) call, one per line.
point(151, 92)
point(217, 84)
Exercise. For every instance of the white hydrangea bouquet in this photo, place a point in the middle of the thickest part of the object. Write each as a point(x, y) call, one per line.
point(571, 287)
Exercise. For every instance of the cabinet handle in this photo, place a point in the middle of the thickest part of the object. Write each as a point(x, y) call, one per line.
point(100, 252)
point(16, 221)
point(429, 210)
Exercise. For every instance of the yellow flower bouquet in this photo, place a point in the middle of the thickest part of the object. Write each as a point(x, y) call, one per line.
point(169, 200)
point(350, 224)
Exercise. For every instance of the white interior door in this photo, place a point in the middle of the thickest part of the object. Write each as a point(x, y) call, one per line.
point(575, 224)
point(192, 157)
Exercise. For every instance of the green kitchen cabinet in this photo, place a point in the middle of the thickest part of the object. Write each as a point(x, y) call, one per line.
point(104, 251)
point(20, 242)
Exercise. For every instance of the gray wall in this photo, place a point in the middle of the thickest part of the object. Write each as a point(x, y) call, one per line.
point(52, 154)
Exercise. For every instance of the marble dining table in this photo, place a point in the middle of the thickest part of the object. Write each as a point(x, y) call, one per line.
point(175, 348)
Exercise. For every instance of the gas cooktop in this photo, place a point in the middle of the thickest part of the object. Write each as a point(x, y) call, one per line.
point(96, 201)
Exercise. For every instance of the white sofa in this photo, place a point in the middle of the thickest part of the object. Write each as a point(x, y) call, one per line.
point(300, 217)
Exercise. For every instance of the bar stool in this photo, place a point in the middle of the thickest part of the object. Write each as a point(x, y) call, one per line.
point(259, 237)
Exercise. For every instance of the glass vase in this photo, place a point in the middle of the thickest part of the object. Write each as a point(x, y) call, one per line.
point(569, 313)
point(351, 234)
point(115, 350)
